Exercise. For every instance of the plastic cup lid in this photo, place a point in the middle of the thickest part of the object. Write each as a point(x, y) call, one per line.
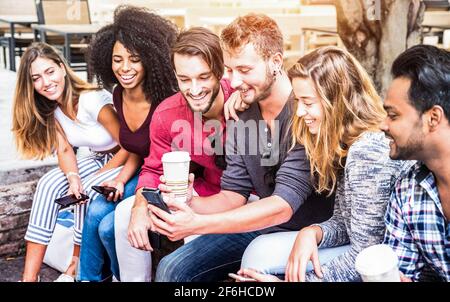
point(176, 157)
point(375, 260)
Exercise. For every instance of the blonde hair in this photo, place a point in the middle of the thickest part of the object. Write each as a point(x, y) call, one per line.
point(350, 105)
point(33, 122)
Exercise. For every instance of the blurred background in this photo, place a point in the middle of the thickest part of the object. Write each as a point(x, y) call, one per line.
point(373, 30)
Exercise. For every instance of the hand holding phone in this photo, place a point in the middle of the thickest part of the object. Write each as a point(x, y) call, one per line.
point(154, 197)
point(104, 190)
point(70, 199)
point(241, 278)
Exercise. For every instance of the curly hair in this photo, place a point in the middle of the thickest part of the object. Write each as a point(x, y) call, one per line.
point(146, 34)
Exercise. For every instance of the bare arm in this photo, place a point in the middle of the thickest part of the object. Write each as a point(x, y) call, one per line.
point(67, 159)
point(220, 202)
point(108, 118)
point(67, 162)
point(132, 164)
point(253, 216)
point(126, 173)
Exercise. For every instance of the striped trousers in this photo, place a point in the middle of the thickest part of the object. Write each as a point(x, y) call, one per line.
point(53, 185)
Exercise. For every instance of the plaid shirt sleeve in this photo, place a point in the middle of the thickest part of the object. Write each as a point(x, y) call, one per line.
point(398, 236)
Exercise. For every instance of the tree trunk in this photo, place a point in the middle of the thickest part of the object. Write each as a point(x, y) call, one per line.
point(377, 31)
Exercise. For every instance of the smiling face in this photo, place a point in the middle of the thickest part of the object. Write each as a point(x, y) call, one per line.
point(403, 125)
point(249, 73)
point(127, 67)
point(197, 83)
point(309, 107)
point(48, 78)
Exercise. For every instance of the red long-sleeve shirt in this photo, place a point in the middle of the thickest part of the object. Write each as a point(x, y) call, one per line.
point(173, 122)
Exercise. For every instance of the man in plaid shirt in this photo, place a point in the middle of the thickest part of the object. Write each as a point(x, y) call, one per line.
point(418, 125)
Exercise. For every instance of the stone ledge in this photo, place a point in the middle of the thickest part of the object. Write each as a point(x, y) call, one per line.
point(17, 187)
point(15, 176)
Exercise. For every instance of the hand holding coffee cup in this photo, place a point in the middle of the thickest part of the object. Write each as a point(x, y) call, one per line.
point(166, 192)
point(176, 174)
point(378, 263)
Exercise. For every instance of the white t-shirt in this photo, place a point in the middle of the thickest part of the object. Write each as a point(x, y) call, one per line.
point(86, 131)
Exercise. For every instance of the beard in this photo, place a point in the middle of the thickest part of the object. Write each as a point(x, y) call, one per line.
point(214, 92)
point(412, 148)
point(266, 90)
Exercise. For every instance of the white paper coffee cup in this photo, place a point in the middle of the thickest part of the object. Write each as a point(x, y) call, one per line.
point(176, 173)
point(378, 263)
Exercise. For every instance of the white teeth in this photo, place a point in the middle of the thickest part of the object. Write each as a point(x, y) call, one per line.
point(309, 122)
point(197, 98)
point(51, 89)
point(127, 78)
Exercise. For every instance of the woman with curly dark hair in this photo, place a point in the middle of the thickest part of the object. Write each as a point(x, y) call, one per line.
point(132, 53)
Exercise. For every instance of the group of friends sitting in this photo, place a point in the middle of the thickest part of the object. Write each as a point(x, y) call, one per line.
point(293, 172)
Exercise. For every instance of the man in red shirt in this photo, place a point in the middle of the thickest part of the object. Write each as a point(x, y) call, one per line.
point(191, 120)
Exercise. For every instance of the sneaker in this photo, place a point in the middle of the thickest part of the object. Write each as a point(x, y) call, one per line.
point(64, 278)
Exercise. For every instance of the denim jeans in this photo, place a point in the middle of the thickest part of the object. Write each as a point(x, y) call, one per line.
point(207, 258)
point(98, 237)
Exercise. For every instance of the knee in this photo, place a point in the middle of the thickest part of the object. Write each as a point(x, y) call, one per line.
point(255, 252)
point(106, 228)
point(96, 210)
point(122, 215)
point(170, 270)
point(47, 183)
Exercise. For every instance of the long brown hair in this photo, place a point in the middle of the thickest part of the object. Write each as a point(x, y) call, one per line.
point(350, 105)
point(33, 122)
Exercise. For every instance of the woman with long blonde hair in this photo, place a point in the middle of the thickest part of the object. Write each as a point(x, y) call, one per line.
point(53, 112)
point(337, 120)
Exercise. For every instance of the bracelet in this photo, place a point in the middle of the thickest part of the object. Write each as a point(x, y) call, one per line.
point(72, 173)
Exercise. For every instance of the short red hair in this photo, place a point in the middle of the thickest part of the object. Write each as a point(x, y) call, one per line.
point(258, 29)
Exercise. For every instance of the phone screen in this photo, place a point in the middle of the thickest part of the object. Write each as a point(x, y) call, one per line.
point(154, 197)
point(104, 190)
point(70, 199)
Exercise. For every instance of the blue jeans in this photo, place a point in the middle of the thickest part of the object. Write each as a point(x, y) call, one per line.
point(98, 237)
point(207, 258)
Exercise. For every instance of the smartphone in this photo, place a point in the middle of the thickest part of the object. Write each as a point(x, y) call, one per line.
point(241, 278)
point(104, 190)
point(155, 239)
point(70, 199)
point(154, 197)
